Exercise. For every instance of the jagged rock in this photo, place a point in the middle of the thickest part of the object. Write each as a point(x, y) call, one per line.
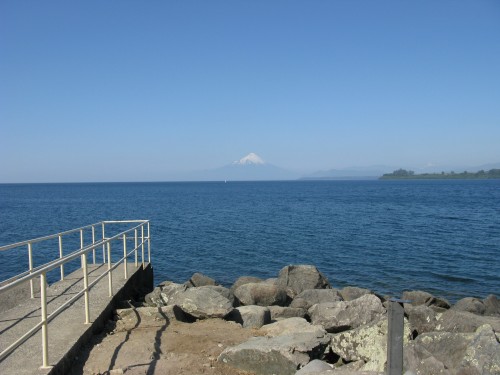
point(129, 319)
point(154, 299)
point(462, 321)
point(202, 303)
point(282, 354)
point(343, 315)
point(453, 353)
point(250, 316)
point(492, 305)
point(280, 312)
point(199, 279)
point(447, 347)
point(297, 278)
point(291, 326)
point(418, 297)
point(310, 297)
point(244, 280)
point(315, 367)
point(162, 293)
point(422, 318)
point(261, 294)
point(367, 343)
point(417, 360)
point(483, 352)
point(470, 304)
point(221, 290)
point(351, 292)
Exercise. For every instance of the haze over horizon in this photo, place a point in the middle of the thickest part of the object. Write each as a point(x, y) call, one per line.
point(125, 91)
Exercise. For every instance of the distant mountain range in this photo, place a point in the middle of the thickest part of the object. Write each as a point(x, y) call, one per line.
point(254, 168)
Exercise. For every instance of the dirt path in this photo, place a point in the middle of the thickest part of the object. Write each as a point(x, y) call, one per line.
point(159, 346)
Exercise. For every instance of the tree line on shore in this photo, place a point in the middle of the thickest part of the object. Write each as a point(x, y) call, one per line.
point(409, 174)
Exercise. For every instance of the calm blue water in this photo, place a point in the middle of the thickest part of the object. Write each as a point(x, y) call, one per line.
point(389, 236)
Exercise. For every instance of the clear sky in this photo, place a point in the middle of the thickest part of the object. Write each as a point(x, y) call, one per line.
point(139, 90)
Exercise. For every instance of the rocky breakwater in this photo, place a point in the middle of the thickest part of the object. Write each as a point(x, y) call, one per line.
point(302, 325)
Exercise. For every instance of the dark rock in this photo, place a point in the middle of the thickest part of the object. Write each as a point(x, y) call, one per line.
point(351, 292)
point(492, 305)
point(202, 303)
point(261, 294)
point(297, 278)
point(310, 297)
point(250, 316)
point(343, 315)
point(280, 312)
point(422, 318)
point(470, 304)
point(418, 297)
point(282, 354)
point(199, 279)
point(465, 322)
point(245, 280)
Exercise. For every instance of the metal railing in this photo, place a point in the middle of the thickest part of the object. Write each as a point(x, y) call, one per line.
point(41, 271)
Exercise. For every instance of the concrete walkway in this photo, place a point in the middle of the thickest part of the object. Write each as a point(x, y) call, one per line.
point(67, 332)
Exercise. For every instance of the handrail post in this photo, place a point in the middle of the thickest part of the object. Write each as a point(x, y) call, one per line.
point(86, 288)
point(81, 243)
point(110, 276)
point(30, 264)
point(149, 245)
point(135, 242)
point(395, 333)
point(103, 245)
point(43, 305)
point(142, 245)
point(61, 255)
point(93, 242)
point(125, 256)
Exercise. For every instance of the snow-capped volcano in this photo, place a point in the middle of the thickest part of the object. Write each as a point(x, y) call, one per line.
point(251, 158)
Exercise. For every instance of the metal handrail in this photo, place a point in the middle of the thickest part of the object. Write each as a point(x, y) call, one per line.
point(41, 271)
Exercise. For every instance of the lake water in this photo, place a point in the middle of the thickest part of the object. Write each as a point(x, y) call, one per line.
point(389, 236)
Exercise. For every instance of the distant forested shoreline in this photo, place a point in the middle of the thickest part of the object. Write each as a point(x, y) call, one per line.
point(403, 174)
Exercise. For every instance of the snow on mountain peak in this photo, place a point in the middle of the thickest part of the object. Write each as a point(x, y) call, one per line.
point(251, 158)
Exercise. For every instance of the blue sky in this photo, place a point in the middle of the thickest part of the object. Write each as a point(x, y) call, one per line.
point(129, 90)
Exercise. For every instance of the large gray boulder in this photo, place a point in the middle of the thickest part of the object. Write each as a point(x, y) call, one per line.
point(465, 322)
point(297, 278)
point(470, 304)
point(492, 306)
point(221, 290)
point(422, 318)
point(483, 353)
point(282, 354)
point(367, 343)
point(291, 326)
point(128, 319)
point(352, 292)
point(250, 316)
point(454, 353)
point(418, 297)
point(315, 367)
point(160, 296)
point(199, 279)
point(344, 315)
point(281, 312)
point(310, 297)
point(261, 294)
point(202, 303)
point(245, 280)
